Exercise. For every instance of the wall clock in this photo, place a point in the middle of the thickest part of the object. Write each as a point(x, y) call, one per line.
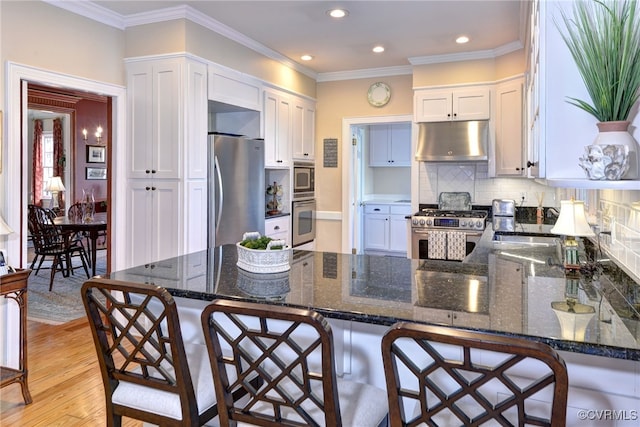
point(379, 94)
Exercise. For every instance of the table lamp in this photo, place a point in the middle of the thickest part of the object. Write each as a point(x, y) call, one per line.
point(54, 187)
point(572, 222)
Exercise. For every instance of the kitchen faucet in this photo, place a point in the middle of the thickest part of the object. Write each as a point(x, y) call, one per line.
point(552, 212)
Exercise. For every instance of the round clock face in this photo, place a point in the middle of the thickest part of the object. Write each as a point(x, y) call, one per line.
point(379, 94)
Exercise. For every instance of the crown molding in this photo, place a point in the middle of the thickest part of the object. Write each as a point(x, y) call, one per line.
point(467, 56)
point(98, 13)
point(400, 70)
point(91, 10)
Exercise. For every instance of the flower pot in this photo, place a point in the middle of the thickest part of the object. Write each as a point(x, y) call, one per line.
point(617, 133)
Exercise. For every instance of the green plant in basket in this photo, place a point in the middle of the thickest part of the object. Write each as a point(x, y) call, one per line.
point(260, 243)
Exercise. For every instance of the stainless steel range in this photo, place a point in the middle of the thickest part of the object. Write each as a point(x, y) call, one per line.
point(446, 234)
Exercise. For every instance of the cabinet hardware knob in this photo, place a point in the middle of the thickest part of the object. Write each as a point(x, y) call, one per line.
point(153, 171)
point(147, 171)
point(518, 169)
point(147, 188)
point(278, 161)
point(449, 115)
point(277, 227)
point(377, 210)
point(153, 188)
point(146, 266)
point(455, 114)
point(304, 264)
point(530, 163)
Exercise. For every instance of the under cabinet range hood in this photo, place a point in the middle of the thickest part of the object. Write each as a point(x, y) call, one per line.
point(461, 141)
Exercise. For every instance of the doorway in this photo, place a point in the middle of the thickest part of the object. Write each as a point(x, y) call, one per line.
point(354, 177)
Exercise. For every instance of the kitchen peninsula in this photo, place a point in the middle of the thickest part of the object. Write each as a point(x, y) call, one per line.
point(504, 288)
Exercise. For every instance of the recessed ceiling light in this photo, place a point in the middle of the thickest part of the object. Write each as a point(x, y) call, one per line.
point(337, 13)
point(306, 57)
point(462, 39)
point(378, 49)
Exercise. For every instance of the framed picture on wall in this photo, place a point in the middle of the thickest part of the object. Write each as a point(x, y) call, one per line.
point(96, 154)
point(96, 173)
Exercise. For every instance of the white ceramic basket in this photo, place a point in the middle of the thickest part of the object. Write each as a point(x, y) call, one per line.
point(264, 261)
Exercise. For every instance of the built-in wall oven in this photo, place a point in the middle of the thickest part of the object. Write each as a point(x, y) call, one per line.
point(303, 180)
point(303, 213)
point(446, 235)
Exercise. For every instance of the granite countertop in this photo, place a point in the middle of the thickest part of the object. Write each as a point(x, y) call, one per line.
point(506, 289)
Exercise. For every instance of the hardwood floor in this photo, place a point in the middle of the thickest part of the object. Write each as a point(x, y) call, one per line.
point(64, 380)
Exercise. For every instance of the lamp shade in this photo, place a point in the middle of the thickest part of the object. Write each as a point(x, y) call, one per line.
point(572, 220)
point(55, 185)
point(4, 228)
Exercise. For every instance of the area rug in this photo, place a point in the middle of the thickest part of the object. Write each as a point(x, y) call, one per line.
point(63, 303)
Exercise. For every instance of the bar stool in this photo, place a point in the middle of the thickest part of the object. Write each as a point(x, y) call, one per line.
point(290, 351)
point(444, 376)
point(148, 372)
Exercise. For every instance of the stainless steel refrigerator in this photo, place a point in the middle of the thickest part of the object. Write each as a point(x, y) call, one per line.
point(236, 187)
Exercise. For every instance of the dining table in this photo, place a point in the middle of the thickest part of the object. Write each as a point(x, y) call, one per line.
point(93, 229)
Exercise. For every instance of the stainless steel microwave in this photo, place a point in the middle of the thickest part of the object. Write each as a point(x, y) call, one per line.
point(303, 180)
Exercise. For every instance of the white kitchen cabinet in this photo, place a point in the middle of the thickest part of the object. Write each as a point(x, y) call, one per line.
point(443, 105)
point(278, 228)
point(154, 93)
point(167, 163)
point(154, 220)
point(278, 113)
point(303, 129)
point(509, 142)
point(390, 145)
point(385, 228)
point(233, 88)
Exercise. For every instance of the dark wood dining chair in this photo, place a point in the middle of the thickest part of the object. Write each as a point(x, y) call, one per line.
point(290, 351)
point(50, 241)
point(445, 376)
point(75, 214)
point(148, 372)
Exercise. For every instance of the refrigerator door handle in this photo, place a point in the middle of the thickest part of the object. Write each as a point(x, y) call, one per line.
point(220, 192)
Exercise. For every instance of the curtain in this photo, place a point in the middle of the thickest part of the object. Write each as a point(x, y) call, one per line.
point(59, 158)
point(36, 179)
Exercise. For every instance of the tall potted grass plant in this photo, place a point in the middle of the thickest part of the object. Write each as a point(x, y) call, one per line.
point(603, 37)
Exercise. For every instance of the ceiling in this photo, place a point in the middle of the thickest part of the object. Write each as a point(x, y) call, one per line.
point(413, 32)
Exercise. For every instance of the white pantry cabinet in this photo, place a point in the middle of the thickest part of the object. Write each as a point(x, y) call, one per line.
point(509, 142)
point(154, 217)
point(385, 228)
point(303, 129)
point(167, 130)
point(390, 145)
point(278, 113)
point(443, 105)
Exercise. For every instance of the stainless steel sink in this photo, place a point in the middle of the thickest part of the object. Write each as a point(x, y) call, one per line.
point(517, 239)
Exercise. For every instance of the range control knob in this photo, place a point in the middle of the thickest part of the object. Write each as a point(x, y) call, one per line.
point(463, 223)
point(429, 222)
point(479, 224)
point(422, 222)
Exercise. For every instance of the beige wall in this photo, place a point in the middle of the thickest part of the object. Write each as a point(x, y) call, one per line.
point(44, 36)
point(478, 71)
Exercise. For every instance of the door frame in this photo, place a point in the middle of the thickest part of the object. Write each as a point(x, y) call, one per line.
point(16, 145)
point(349, 209)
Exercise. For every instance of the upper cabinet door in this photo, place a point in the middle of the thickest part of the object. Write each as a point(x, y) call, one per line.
point(509, 152)
point(303, 129)
point(433, 106)
point(155, 103)
point(471, 104)
point(278, 113)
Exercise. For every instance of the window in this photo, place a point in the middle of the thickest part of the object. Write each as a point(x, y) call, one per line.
point(47, 162)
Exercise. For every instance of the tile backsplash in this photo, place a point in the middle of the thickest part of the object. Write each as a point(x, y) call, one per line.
point(435, 178)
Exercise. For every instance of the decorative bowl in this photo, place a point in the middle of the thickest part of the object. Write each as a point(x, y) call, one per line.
point(605, 162)
point(263, 260)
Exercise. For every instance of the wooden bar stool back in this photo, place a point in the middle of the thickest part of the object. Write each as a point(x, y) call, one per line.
point(148, 372)
point(290, 351)
point(442, 376)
